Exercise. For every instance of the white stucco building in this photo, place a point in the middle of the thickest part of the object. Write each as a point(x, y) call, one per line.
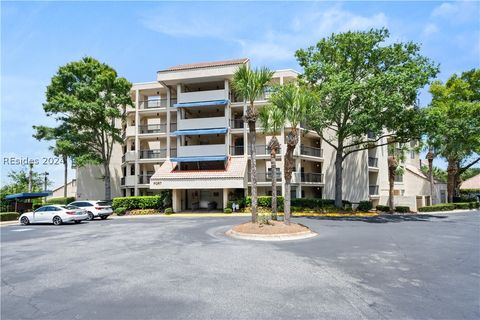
point(186, 134)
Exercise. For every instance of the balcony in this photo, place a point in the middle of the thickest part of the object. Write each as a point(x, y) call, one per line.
point(266, 177)
point(153, 154)
point(144, 179)
point(373, 162)
point(152, 128)
point(398, 178)
point(173, 126)
point(130, 131)
point(127, 181)
point(310, 177)
point(311, 151)
point(202, 150)
point(237, 123)
point(373, 190)
point(128, 156)
point(197, 96)
point(153, 104)
point(262, 149)
point(237, 150)
point(202, 123)
point(173, 152)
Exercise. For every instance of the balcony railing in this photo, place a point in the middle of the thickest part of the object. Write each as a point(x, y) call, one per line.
point(237, 123)
point(237, 150)
point(153, 154)
point(311, 177)
point(266, 176)
point(373, 190)
point(173, 152)
point(152, 128)
point(262, 149)
point(156, 103)
point(144, 179)
point(373, 162)
point(311, 151)
point(173, 126)
point(122, 181)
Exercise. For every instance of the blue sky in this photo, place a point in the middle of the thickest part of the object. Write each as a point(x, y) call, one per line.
point(139, 38)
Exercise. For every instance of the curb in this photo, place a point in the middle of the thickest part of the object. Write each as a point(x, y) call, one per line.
point(271, 237)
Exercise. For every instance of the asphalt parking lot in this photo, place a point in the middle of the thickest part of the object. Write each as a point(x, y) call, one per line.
point(185, 268)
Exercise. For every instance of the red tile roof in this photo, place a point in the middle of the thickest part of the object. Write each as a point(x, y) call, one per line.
point(206, 64)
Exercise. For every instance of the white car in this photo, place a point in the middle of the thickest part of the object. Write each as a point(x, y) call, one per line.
point(56, 214)
point(95, 208)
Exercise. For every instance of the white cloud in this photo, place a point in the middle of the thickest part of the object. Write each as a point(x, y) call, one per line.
point(429, 29)
point(457, 11)
point(445, 9)
point(272, 45)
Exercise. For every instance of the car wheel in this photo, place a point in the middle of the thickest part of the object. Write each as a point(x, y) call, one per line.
point(103, 217)
point(78, 221)
point(90, 216)
point(24, 221)
point(57, 220)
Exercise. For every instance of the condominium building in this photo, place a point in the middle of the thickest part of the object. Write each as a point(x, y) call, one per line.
point(186, 134)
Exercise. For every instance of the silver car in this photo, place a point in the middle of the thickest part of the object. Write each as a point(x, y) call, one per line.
point(94, 208)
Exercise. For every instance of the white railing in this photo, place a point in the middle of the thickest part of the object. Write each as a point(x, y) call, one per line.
point(202, 123)
point(202, 150)
point(207, 95)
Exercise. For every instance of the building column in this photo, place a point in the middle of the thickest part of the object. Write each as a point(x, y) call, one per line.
point(298, 168)
point(225, 197)
point(137, 141)
point(168, 122)
point(176, 200)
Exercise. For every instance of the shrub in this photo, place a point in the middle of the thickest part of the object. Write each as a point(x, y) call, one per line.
point(168, 211)
point(365, 206)
point(9, 216)
point(463, 205)
point(263, 201)
point(120, 211)
point(139, 212)
point(62, 200)
point(438, 207)
point(383, 208)
point(263, 217)
point(402, 209)
point(227, 210)
point(138, 202)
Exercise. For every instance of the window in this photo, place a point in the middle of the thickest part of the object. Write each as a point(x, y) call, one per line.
point(41, 209)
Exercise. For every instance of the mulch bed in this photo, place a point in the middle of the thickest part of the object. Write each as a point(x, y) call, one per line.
point(273, 227)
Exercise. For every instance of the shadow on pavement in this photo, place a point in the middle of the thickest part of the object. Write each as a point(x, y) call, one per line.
point(383, 218)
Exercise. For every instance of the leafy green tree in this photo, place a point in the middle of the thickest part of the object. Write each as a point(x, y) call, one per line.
point(438, 173)
point(453, 124)
point(295, 103)
point(365, 86)
point(87, 98)
point(64, 146)
point(249, 85)
point(272, 120)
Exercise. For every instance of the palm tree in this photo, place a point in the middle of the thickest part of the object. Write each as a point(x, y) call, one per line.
point(295, 103)
point(249, 85)
point(430, 156)
point(272, 120)
point(395, 157)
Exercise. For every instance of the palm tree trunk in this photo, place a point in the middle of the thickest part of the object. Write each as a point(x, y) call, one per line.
point(451, 172)
point(253, 173)
point(65, 175)
point(292, 140)
point(392, 167)
point(273, 163)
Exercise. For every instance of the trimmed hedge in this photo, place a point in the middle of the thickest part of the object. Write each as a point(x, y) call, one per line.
point(227, 210)
point(141, 212)
point(365, 206)
point(383, 208)
point(9, 216)
point(263, 201)
point(62, 200)
point(438, 207)
point(168, 211)
point(138, 202)
point(310, 203)
point(400, 209)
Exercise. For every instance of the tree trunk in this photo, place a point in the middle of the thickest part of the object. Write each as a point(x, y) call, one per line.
point(274, 144)
point(292, 140)
point(65, 175)
point(108, 189)
point(433, 196)
point(451, 172)
point(251, 118)
point(339, 178)
point(392, 167)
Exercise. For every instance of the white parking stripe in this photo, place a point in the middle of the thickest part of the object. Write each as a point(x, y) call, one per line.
point(20, 230)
